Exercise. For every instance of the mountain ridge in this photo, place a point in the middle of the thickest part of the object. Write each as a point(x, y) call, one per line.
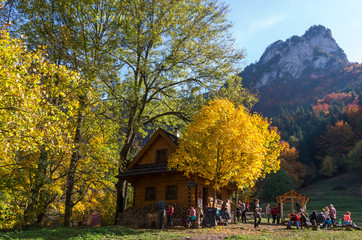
point(297, 71)
point(312, 53)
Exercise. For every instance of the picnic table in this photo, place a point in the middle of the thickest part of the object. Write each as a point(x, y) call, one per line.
point(250, 215)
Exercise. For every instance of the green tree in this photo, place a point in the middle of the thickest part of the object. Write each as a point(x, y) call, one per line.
point(354, 158)
point(276, 184)
point(329, 166)
point(171, 53)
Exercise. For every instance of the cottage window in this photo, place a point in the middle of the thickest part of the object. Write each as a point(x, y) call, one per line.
point(150, 194)
point(161, 155)
point(171, 192)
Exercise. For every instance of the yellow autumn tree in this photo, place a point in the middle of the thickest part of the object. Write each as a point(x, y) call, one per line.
point(228, 144)
point(40, 108)
point(36, 102)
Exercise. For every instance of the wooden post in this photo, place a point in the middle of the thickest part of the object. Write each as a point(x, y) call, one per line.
point(236, 204)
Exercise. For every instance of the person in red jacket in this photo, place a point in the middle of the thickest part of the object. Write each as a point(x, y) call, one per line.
point(294, 219)
point(274, 213)
point(169, 216)
point(347, 219)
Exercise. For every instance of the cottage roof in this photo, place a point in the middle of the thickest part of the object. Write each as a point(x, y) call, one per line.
point(146, 169)
point(134, 169)
point(171, 136)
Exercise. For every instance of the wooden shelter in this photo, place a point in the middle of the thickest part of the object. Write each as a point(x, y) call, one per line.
point(153, 181)
point(293, 197)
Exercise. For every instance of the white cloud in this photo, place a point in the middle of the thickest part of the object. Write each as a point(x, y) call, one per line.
point(264, 23)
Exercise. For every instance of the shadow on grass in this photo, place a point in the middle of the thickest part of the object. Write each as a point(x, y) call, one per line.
point(114, 232)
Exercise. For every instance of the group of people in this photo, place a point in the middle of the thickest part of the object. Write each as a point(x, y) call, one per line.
point(222, 215)
point(161, 207)
point(273, 212)
point(325, 219)
point(241, 210)
point(299, 220)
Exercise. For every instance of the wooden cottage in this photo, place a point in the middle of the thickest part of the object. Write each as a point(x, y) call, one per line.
point(152, 181)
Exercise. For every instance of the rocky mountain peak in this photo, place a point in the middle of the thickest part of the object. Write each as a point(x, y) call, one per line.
point(314, 52)
point(317, 31)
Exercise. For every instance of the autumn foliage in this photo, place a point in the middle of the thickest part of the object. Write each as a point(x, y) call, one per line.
point(228, 144)
point(36, 102)
point(324, 108)
point(354, 112)
point(337, 140)
point(38, 110)
point(289, 161)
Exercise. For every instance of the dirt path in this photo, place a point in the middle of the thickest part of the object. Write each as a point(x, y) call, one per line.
point(221, 232)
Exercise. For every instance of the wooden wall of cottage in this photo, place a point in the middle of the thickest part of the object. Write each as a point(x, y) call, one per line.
point(190, 191)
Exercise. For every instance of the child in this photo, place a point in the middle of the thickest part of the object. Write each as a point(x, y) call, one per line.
point(257, 214)
point(169, 216)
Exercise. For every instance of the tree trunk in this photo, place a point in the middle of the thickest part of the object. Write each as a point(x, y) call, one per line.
point(213, 203)
point(72, 170)
point(39, 218)
point(120, 199)
point(236, 203)
point(31, 211)
point(69, 190)
point(123, 165)
point(125, 196)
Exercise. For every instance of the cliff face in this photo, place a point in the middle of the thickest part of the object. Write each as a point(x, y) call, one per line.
point(314, 53)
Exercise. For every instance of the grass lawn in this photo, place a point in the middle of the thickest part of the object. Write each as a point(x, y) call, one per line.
point(347, 198)
point(78, 233)
point(232, 231)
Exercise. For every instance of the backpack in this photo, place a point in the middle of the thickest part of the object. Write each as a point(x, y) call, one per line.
point(242, 207)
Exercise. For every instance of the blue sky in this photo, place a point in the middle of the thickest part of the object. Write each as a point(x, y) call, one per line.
point(259, 23)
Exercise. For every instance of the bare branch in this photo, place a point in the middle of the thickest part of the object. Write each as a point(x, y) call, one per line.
point(177, 114)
